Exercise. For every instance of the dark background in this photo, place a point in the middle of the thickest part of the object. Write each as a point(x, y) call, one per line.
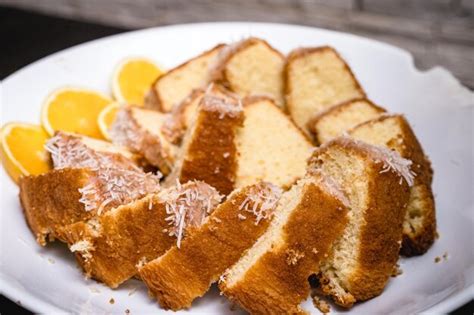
point(51, 34)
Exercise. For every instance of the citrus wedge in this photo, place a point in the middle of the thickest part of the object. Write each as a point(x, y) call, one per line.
point(22, 150)
point(106, 118)
point(74, 110)
point(132, 79)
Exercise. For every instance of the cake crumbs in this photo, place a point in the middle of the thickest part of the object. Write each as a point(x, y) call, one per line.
point(127, 311)
point(293, 256)
point(445, 255)
point(132, 291)
point(51, 261)
point(396, 271)
point(320, 304)
point(314, 250)
point(94, 290)
point(111, 301)
point(437, 259)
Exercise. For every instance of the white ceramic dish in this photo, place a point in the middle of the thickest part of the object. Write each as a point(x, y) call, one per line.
point(46, 280)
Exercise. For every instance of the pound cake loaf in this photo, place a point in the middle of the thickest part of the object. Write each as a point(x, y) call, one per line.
point(271, 148)
point(110, 247)
point(186, 272)
point(88, 179)
point(251, 67)
point(140, 131)
point(317, 79)
point(336, 120)
point(395, 133)
point(376, 181)
point(208, 151)
point(272, 277)
point(175, 85)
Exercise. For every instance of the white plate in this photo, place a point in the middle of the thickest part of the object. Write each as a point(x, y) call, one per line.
point(47, 280)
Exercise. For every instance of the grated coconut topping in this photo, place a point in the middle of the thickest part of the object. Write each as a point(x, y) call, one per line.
point(118, 181)
point(188, 205)
point(392, 160)
point(125, 131)
point(261, 201)
point(225, 106)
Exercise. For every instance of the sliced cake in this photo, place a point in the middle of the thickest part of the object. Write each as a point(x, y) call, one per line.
point(394, 132)
point(186, 272)
point(336, 120)
point(251, 67)
point(272, 276)
point(376, 181)
point(52, 200)
point(90, 177)
point(316, 79)
point(110, 247)
point(140, 130)
point(208, 151)
point(270, 146)
point(174, 86)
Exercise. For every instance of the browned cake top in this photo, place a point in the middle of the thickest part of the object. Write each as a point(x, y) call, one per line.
point(185, 273)
point(211, 155)
point(51, 200)
point(119, 180)
point(391, 160)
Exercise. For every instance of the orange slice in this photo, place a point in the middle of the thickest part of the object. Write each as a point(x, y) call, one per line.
point(132, 79)
point(106, 118)
point(22, 150)
point(74, 110)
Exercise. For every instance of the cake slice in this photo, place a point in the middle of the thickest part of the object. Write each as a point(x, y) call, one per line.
point(208, 151)
point(110, 247)
point(251, 67)
point(140, 130)
point(175, 85)
point(336, 120)
point(90, 177)
point(394, 132)
point(271, 148)
point(180, 118)
point(316, 79)
point(186, 272)
point(272, 276)
point(376, 181)
point(51, 200)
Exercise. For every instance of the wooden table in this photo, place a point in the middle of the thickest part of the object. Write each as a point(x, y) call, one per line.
point(436, 32)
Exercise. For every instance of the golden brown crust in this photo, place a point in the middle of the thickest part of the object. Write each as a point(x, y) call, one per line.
point(51, 200)
point(384, 216)
point(212, 154)
point(182, 275)
point(121, 239)
point(419, 241)
point(303, 52)
point(381, 234)
point(155, 100)
point(278, 282)
point(219, 72)
point(335, 109)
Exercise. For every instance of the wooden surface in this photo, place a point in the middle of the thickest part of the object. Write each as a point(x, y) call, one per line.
point(436, 32)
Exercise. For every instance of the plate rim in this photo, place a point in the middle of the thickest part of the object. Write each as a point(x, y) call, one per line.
point(35, 304)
